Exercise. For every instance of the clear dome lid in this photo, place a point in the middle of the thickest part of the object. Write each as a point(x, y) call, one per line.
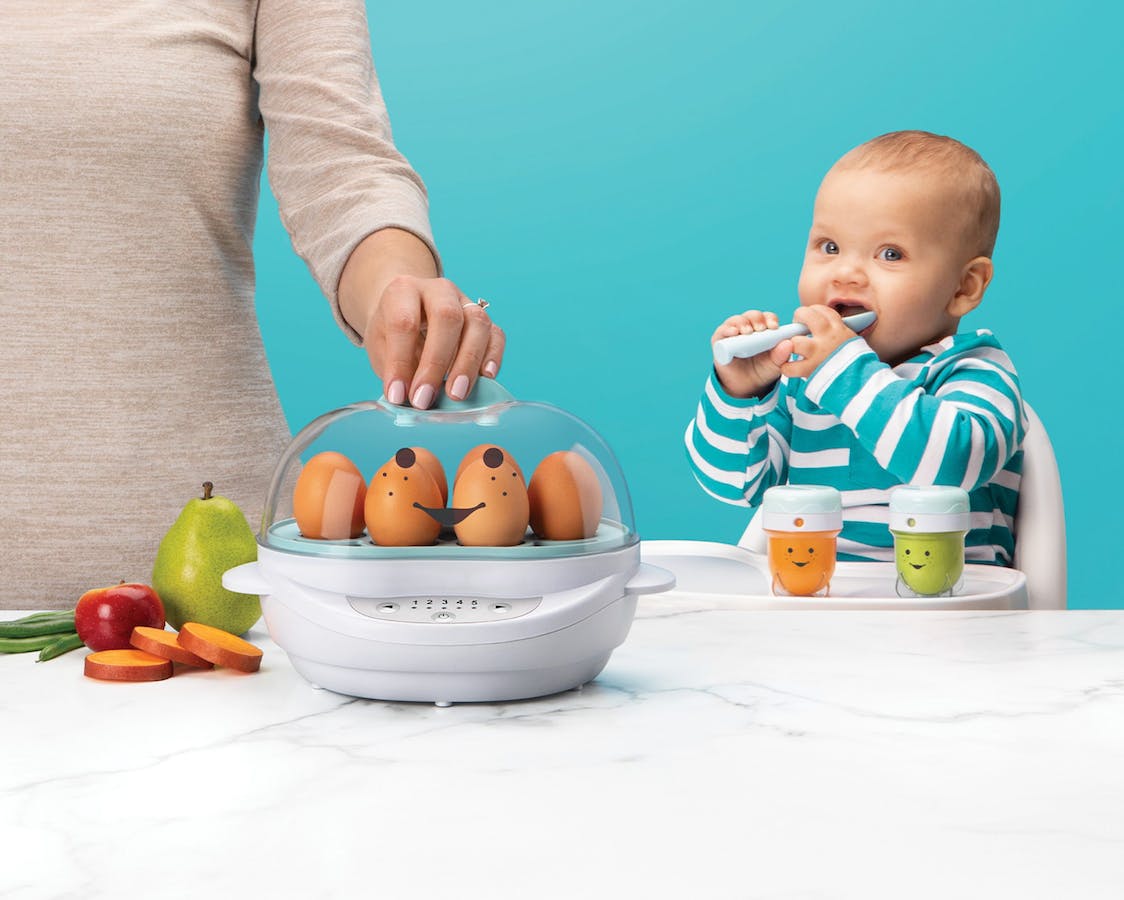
point(487, 477)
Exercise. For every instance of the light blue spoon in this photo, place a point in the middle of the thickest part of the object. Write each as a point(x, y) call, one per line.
point(746, 345)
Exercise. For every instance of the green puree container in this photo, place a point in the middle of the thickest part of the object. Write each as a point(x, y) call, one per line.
point(929, 525)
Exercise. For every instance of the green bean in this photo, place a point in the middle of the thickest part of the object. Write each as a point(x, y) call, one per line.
point(25, 644)
point(59, 646)
point(41, 616)
point(20, 628)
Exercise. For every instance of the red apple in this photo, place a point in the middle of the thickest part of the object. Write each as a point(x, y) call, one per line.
point(105, 617)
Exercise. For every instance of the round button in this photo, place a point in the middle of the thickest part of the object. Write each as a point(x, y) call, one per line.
point(443, 616)
point(388, 607)
point(501, 607)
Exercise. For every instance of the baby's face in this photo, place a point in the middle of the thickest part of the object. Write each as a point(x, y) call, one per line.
point(890, 242)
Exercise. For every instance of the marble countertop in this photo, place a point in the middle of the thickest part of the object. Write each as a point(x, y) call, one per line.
point(722, 753)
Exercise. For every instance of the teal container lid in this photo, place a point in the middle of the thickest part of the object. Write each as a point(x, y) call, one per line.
point(802, 507)
point(932, 508)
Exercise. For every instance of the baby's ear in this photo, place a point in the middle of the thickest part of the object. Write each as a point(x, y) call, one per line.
point(974, 280)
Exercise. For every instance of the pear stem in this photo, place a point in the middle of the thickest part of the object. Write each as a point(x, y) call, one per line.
point(207, 488)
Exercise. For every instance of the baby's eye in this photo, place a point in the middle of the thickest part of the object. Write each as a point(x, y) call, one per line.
point(829, 246)
point(890, 254)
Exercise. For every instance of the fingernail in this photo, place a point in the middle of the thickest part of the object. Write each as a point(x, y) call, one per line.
point(459, 388)
point(397, 392)
point(423, 396)
point(490, 368)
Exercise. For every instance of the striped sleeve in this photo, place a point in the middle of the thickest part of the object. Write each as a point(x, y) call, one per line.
point(958, 422)
point(737, 447)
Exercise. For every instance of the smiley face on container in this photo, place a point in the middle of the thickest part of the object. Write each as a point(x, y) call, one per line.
point(930, 564)
point(802, 564)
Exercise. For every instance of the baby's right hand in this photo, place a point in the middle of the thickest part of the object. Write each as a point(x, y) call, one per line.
point(755, 375)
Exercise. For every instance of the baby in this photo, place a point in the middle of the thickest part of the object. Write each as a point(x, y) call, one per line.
point(905, 226)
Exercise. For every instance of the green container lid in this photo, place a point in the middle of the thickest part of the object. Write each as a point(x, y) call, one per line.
point(929, 509)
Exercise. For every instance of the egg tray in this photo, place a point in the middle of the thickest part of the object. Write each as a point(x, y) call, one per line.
point(284, 535)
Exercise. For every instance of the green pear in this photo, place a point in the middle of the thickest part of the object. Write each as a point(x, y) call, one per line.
point(210, 536)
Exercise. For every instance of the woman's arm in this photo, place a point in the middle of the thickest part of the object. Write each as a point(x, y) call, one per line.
point(355, 209)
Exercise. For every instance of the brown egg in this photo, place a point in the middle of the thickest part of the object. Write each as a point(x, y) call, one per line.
point(478, 451)
point(392, 518)
point(433, 466)
point(491, 495)
point(565, 498)
point(328, 498)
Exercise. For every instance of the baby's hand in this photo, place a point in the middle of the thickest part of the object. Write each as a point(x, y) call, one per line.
point(755, 375)
point(828, 333)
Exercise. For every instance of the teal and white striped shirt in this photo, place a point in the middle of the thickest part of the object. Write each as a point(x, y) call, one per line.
point(951, 415)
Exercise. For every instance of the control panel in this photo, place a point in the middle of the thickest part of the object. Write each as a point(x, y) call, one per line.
point(444, 609)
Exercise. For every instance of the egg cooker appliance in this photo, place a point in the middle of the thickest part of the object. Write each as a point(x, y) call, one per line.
point(448, 623)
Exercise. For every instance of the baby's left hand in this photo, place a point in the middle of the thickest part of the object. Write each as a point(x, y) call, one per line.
point(828, 333)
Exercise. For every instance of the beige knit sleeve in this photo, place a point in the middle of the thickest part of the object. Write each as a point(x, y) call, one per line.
point(332, 163)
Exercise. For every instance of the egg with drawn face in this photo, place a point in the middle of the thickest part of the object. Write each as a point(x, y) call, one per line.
point(490, 500)
point(397, 499)
point(802, 563)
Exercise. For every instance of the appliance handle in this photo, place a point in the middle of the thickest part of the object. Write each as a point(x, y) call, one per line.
point(650, 579)
point(245, 579)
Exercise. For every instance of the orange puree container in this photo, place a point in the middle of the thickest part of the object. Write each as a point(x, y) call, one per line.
point(802, 522)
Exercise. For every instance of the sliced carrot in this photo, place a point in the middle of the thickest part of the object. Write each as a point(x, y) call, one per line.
point(220, 647)
point(163, 643)
point(127, 665)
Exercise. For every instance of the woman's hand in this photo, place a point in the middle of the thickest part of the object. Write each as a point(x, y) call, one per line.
point(418, 329)
point(425, 330)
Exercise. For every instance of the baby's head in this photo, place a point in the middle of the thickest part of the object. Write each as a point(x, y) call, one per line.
point(905, 225)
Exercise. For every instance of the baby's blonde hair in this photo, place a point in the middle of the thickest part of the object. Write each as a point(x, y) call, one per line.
point(964, 169)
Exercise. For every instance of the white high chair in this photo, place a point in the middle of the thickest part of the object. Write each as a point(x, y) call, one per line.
point(1040, 520)
point(1039, 546)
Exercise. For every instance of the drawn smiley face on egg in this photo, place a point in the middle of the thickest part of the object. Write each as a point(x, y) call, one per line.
point(490, 500)
point(397, 499)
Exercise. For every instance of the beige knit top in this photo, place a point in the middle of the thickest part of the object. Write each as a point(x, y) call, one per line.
point(131, 365)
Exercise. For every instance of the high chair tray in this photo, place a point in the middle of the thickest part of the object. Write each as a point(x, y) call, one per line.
point(731, 577)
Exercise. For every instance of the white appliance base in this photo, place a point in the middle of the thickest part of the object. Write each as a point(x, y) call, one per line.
point(444, 688)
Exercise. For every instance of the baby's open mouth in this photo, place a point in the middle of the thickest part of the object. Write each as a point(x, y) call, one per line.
point(848, 307)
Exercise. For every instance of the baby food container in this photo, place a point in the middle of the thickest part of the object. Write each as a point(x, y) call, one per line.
point(929, 525)
point(801, 522)
point(518, 580)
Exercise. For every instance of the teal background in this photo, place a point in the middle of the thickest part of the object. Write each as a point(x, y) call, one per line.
point(617, 177)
